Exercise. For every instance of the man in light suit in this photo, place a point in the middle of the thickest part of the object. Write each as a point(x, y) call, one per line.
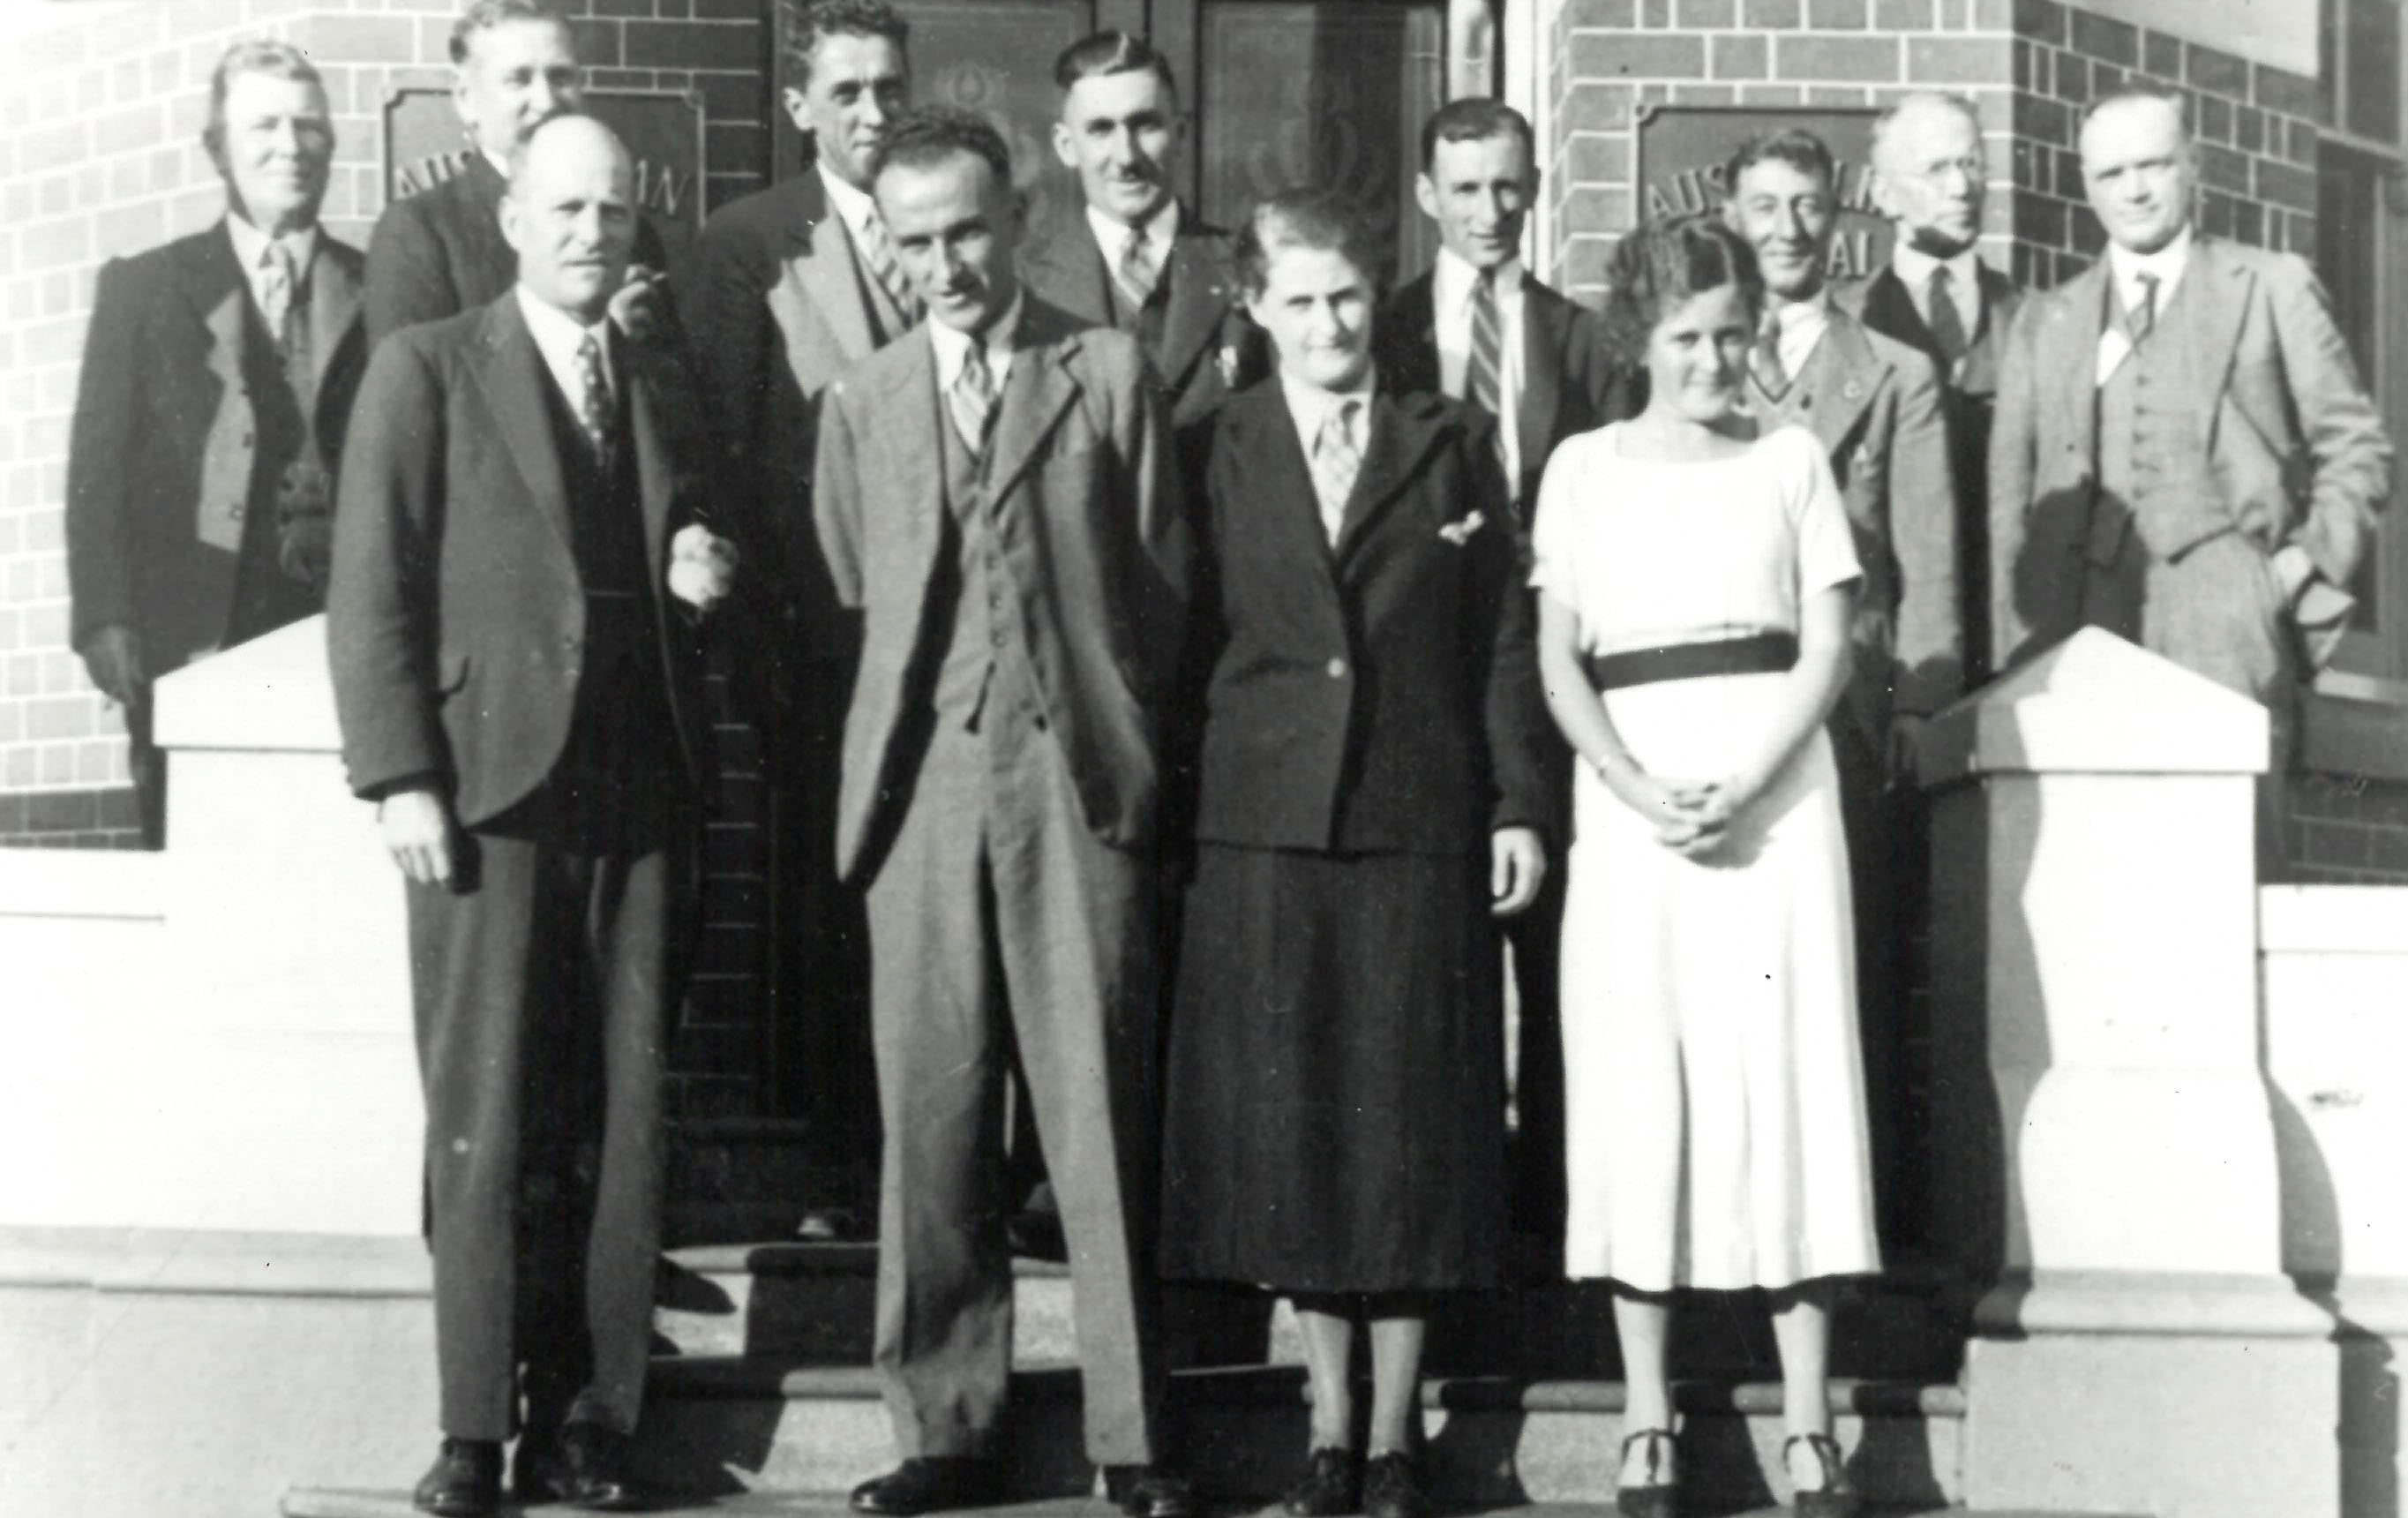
point(783, 290)
point(994, 494)
point(1135, 258)
point(512, 626)
point(441, 252)
point(209, 413)
point(2183, 454)
point(1938, 297)
point(1875, 404)
point(1479, 327)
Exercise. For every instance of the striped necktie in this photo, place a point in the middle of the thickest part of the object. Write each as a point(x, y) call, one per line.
point(1135, 275)
point(277, 289)
point(1480, 375)
point(594, 406)
point(878, 252)
point(2144, 319)
point(971, 399)
point(1764, 359)
point(1336, 461)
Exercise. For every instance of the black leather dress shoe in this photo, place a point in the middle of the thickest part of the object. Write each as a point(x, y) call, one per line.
point(928, 1484)
point(590, 1469)
point(465, 1482)
point(1393, 1489)
point(1150, 1492)
point(1332, 1483)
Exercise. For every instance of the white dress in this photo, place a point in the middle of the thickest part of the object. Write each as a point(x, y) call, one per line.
point(1714, 1091)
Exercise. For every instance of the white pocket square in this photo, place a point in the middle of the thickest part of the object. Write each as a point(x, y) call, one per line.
point(1459, 533)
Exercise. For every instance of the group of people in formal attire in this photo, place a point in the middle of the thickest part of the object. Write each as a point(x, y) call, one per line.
point(1192, 664)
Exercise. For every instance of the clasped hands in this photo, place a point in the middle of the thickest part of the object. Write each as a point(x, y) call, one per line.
point(1694, 819)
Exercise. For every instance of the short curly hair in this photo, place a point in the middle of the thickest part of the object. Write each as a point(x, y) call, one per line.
point(927, 134)
point(823, 19)
point(1660, 266)
point(1307, 217)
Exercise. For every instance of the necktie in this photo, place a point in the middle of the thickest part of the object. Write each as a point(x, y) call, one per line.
point(1136, 276)
point(877, 252)
point(1335, 461)
point(276, 288)
point(972, 397)
point(2144, 320)
point(1946, 324)
point(594, 406)
point(1480, 379)
point(1764, 359)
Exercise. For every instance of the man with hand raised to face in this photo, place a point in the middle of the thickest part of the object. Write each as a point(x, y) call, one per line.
point(995, 496)
point(783, 290)
point(1136, 258)
point(512, 628)
point(1875, 406)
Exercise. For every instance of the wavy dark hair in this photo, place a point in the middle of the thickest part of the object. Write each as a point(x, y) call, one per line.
point(1307, 217)
point(1659, 266)
point(927, 134)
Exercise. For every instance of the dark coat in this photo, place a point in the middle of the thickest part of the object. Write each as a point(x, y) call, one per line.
point(1569, 383)
point(1970, 387)
point(1382, 696)
point(456, 615)
point(162, 470)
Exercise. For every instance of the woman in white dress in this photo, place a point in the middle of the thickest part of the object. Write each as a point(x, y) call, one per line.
point(1696, 581)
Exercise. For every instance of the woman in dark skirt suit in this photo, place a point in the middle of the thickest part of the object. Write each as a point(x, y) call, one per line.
point(1368, 800)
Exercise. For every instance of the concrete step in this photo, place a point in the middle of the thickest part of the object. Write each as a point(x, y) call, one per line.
point(815, 1304)
point(325, 1503)
point(721, 1425)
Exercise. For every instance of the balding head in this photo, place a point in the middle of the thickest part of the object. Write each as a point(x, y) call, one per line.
point(1931, 172)
point(571, 213)
point(2139, 169)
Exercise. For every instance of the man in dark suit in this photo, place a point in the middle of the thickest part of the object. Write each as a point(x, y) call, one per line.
point(1939, 299)
point(994, 494)
point(1135, 258)
point(2184, 454)
point(441, 252)
point(209, 415)
point(511, 626)
point(1478, 327)
point(1875, 404)
point(784, 290)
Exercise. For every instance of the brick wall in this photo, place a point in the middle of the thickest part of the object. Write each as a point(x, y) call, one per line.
point(100, 122)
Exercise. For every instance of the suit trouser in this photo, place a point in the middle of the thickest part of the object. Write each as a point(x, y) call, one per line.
point(2217, 610)
point(542, 985)
point(1889, 889)
point(998, 919)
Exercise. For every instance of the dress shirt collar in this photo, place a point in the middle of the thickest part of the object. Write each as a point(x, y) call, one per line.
point(1914, 267)
point(953, 348)
point(852, 207)
point(2125, 267)
point(1309, 406)
point(1112, 235)
point(557, 337)
point(1799, 326)
point(1452, 282)
point(250, 250)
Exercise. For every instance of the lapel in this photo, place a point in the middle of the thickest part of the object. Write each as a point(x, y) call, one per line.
point(907, 491)
point(214, 291)
point(1840, 381)
point(334, 306)
point(509, 371)
point(1286, 503)
point(1546, 323)
point(1411, 346)
point(209, 280)
point(827, 274)
point(1889, 308)
point(655, 470)
point(2218, 301)
point(2065, 355)
point(1067, 269)
point(1200, 296)
point(1036, 393)
point(1402, 433)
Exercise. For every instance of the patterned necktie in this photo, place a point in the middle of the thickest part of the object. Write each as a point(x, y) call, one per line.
point(594, 406)
point(276, 291)
point(1946, 324)
point(1481, 373)
point(1764, 359)
point(1335, 461)
point(877, 252)
point(1136, 275)
point(972, 397)
point(2144, 320)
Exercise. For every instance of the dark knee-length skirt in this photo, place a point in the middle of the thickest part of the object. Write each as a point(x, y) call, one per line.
point(1335, 1093)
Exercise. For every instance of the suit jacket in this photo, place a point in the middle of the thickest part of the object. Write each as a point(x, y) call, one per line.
point(1970, 386)
point(162, 468)
point(771, 299)
point(1569, 383)
point(1875, 404)
point(1382, 694)
point(440, 251)
point(2290, 434)
point(1088, 518)
point(456, 616)
point(1210, 348)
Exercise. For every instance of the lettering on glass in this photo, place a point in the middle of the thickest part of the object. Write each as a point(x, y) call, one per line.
point(1683, 150)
